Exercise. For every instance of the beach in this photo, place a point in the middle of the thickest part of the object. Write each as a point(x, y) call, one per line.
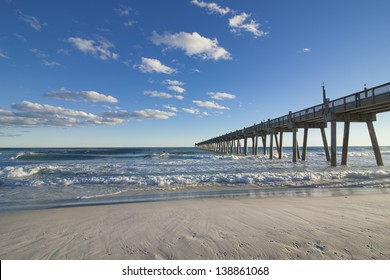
point(337, 227)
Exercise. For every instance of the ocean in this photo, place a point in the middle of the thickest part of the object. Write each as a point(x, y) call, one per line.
point(40, 178)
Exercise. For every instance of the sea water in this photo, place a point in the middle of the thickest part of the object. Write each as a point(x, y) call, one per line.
point(56, 177)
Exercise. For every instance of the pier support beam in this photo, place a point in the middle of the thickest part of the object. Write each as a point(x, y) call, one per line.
point(304, 148)
point(345, 143)
point(295, 145)
point(325, 142)
point(245, 146)
point(271, 147)
point(277, 143)
point(375, 144)
point(280, 145)
point(253, 145)
point(256, 145)
point(333, 143)
point(264, 141)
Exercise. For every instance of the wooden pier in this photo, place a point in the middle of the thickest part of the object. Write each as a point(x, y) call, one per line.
point(358, 107)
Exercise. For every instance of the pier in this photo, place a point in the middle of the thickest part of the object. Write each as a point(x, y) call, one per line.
point(362, 106)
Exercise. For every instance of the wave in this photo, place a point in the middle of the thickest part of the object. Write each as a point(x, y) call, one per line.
point(57, 175)
point(41, 156)
point(100, 153)
point(25, 172)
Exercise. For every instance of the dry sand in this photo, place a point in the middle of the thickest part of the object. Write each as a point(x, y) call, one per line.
point(342, 227)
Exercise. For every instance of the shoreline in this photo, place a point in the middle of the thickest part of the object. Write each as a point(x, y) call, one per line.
point(345, 226)
point(192, 193)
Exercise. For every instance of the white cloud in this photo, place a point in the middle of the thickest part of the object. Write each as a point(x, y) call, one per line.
point(193, 111)
point(139, 115)
point(177, 89)
point(90, 95)
point(169, 107)
point(193, 44)
point(162, 95)
point(100, 47)
point(50, 63)
point(32, 21)
point(3, 54)
point(44, 57)
point(306, 50)
point(221, 95)
point(152, 114)
point(123, 10)
point(242, 22)
point(129, 23)
point(158, 94)
point(211, 7)
point(38, 53)
point(173, 82)
point(210, 105)
point(97, 97)
point(34, 114)
point(44, 109)
point(150, 65)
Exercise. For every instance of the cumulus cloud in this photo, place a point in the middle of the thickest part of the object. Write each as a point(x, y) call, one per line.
point(139, 115)
point(177, 89)
point(32, 21)
point(90, 96)
point(193, 44)
point(35, 114)
point(29, 114)
point(150, 65)
point(237, 23)
point(210, 105)
point(162, 95)
point(221, 95)
point(152, 114)
point(242, 22)
point(173, 82)
point(213, 8)
point(100, 47)
point(306, 50)
point(172, 108)
point(193, 111)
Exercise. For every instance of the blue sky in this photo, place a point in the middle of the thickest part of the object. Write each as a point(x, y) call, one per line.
point(172, 73)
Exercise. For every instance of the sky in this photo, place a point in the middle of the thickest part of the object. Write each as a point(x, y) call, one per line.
point(141, 73)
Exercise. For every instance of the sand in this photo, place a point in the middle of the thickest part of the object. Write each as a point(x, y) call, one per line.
point(341, 227)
